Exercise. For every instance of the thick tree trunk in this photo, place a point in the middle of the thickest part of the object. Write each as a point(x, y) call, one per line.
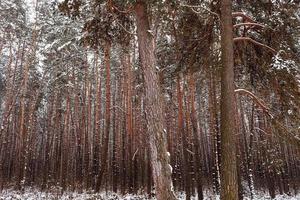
point(229, 186)
point(161, 169)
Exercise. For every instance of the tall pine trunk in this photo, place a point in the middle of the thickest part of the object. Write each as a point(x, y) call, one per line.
point(229, 186)
point(104, 154)
point(161, 169)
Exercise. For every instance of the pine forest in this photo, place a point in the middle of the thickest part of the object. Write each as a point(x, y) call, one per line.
point(150, 99)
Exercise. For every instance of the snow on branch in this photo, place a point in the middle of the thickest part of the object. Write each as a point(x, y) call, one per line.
point(127, 31)
point(202, 7)
point(256, 99)
point(248, 21)
point(128, 10)
point(282, 132)
point(249, 24)
point(248, 39)
point(244, 16)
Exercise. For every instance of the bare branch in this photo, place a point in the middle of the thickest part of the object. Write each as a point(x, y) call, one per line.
point(134, 154)
point(127, 31)
point(249, 24)
point(256, 99)
point(253, 24)
point(197, 12)
point(254, 42)
point(118, 107)
point(261, 130)
point(244, 16)
point(190, 151)
point(129, 9)
point(281, 131)
point(194, 6)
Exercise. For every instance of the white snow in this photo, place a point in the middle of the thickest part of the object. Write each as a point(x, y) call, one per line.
point(32, 194)
point(169, 39)
point(64, 45)
point(280, 63)
point(171, 169)
point(168, 154)
point(31, 10)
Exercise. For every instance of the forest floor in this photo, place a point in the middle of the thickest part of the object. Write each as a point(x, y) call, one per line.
point(34, 194)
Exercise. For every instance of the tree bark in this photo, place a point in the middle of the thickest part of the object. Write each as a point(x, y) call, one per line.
point(184, 138)
point(161, 169)
point(229, 186)
point(107, 117)
point(196, 130)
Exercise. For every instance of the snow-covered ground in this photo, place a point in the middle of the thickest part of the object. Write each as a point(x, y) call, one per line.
point(34, 194)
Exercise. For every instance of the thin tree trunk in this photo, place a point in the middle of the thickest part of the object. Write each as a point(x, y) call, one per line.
point(184, 137)
point(197, 157)
point(107, 117)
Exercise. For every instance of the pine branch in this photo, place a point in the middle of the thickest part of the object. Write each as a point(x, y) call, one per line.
point(254, 42)
point(255, 98)
point(283, 132)
point(249, 24)
point(127, 31)
point(244, 16)
point(194, 6)
point(127, 11)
